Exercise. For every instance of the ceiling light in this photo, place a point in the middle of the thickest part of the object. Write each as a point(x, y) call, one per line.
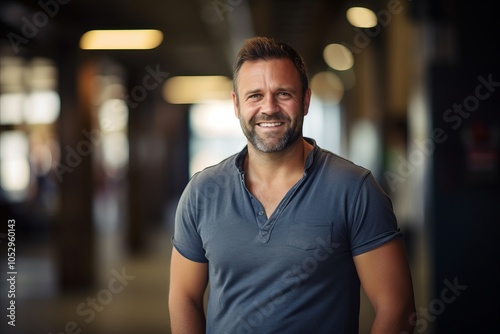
point(121, 39)
point(361, 17)
point(338, 57)
point(328, 87)
point(197, 89)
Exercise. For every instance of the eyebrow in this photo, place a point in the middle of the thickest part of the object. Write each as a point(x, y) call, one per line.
point(253, 91)
point(280, 89)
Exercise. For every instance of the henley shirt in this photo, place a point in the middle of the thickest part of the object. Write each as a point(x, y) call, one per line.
point(292, 272)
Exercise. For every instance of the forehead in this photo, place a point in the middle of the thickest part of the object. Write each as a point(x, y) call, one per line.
point(280, 70)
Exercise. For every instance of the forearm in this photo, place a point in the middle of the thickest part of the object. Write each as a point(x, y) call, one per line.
point(186, 317)
point(392, 322)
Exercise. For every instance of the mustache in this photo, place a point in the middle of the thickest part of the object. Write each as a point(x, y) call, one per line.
point(268, 118)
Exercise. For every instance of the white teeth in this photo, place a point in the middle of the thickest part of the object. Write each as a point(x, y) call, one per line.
point(270, 124)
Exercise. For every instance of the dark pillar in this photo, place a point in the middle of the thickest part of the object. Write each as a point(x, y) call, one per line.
point(74, 233)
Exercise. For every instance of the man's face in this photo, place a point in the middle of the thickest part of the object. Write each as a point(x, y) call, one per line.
point(269, 104)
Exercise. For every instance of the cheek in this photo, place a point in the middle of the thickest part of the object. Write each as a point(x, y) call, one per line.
point(248, 111)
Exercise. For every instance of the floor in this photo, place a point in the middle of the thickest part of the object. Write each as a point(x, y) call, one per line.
point(130, 295)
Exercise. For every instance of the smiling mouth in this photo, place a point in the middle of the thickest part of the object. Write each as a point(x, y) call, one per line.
point(270, 124)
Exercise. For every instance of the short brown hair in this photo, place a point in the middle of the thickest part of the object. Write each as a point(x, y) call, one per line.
point(267, 48)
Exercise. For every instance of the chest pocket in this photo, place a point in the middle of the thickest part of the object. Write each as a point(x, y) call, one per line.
point(309, 236)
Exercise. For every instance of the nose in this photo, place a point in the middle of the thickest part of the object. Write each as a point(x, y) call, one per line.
point(269, 105)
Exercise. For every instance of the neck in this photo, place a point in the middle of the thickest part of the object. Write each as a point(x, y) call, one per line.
point(270, 167)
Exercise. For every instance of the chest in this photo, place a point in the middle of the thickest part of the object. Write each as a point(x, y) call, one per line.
point(237, 234)
point(270, 197)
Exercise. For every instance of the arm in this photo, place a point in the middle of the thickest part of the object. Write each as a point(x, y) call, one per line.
point(385, 276)
point(188, 282)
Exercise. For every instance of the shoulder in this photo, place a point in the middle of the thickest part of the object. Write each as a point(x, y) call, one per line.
point(335, 166)
point(219, 174)
point(341, 177)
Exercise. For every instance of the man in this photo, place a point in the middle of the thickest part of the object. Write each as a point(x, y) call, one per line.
point(284, 232)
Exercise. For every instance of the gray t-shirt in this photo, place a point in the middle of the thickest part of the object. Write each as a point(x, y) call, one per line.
point(292, 272)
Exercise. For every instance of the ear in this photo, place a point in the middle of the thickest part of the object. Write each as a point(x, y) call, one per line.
point(236, 105)
point(307, 100)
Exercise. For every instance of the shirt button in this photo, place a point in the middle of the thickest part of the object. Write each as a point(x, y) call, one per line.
point(261, 213)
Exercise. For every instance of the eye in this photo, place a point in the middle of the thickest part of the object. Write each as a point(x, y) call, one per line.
point(254, 96)
point(284, 94)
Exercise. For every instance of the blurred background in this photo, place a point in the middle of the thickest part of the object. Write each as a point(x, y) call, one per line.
point(100, 132)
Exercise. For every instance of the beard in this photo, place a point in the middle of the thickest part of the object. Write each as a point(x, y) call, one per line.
point(272, 142)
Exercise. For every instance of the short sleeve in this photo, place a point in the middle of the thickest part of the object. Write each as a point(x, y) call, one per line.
point(371, 220)
point(186, 238)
